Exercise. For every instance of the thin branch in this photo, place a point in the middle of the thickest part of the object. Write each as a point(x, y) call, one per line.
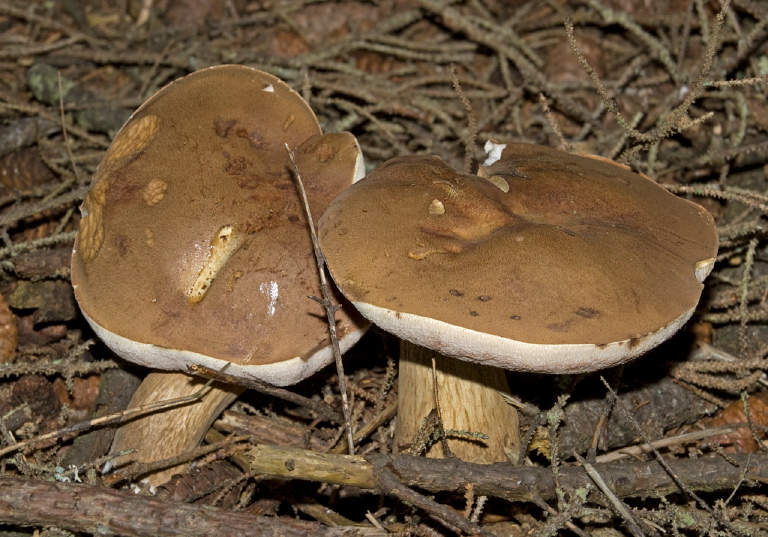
point(617, 504)
point(111, 418)
point(680, 482)
point(321, 408)
point(326, 301)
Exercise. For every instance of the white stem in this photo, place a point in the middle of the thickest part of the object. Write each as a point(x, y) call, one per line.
point(469, 401)
point(174, 431)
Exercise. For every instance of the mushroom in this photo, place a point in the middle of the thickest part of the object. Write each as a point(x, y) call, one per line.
point(193, 246)
point(544, 262)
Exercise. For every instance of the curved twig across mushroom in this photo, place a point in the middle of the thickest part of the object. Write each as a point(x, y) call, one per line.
point(193, 246)
point(545, 262)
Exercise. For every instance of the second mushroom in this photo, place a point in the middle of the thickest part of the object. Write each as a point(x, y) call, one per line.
point(193, 246)
point(543, 262)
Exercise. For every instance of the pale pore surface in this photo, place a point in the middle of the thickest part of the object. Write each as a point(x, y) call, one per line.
point(496, 351)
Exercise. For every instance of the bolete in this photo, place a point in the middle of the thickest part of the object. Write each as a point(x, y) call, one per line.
point(193, 246)
point(543, 262)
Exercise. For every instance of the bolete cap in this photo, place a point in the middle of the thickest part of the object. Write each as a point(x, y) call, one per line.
point(549, 262)
point(193, 246)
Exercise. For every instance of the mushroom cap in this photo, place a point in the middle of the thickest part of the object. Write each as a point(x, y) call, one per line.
point(549, 262)
point(193, 246)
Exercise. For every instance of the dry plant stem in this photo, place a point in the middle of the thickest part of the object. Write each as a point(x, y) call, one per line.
point(366, 430)
point(471, 135)
point(25, 210)
point(617, 504)
point(326, 302)
point(67, 142)
point(389, 484)
point(222, 444)
point(116, 387)
point(174, 431)
point(348, 470)
point(322, 409)
point(323, 514)
point(469, 400)
point(637, 450)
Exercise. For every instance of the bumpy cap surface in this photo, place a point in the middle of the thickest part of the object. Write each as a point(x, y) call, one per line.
point(545, 262)
point(193, 245)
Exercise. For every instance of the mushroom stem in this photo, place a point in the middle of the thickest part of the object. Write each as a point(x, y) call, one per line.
point(170, 432)
point(469, 400)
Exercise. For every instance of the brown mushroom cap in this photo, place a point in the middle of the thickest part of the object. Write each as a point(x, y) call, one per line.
point(551, 262)
point(194, 247)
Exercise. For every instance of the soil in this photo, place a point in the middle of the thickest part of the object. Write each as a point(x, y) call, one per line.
point(675, 90)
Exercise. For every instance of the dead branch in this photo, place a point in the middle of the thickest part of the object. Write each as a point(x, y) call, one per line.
point(323, 410)
point(100, 511)
point(660, 406)
point(502, 480)
point(97, 510)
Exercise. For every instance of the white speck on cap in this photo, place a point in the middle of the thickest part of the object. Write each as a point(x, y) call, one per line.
point(493, 151)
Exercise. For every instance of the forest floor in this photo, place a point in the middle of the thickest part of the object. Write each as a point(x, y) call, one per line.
point(676, 90)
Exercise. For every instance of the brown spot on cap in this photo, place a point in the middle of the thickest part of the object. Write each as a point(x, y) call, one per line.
point(587, 313)
point(254, 137)
point(222, 126)
point(635, 341)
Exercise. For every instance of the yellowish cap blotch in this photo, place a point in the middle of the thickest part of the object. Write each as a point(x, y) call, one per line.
point(499, 182)
point(288, 122)
point(154, 192)
point(132, 139)
point(436, 207)
point(225, 243)
point(91, 225)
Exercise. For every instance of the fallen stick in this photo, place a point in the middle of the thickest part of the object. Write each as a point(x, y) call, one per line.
point(103, 511)
point(515, 483)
